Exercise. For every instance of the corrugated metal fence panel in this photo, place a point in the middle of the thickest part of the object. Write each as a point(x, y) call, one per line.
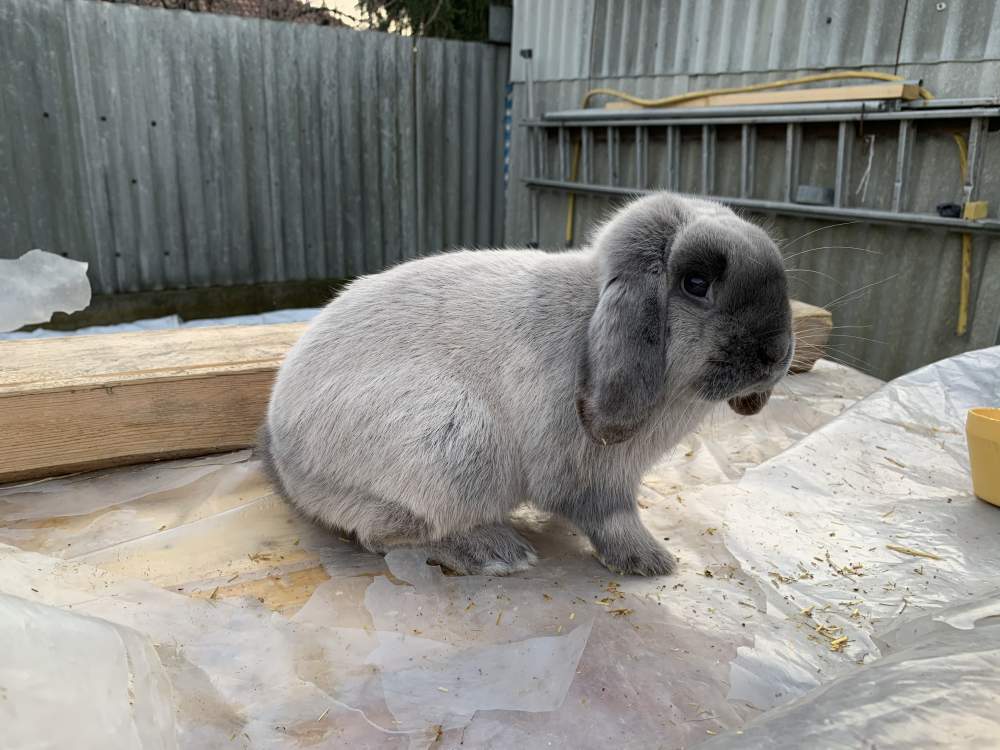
point(172, 149)
point(614, 38)
point(40, 155)
point(559, 32)
point(636, 38)
point(627, 38)
point(955, 49)
point(960, 30)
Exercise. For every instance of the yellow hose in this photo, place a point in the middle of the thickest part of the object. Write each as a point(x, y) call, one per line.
point(670, 101)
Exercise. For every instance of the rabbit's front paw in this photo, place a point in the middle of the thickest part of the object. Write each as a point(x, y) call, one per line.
point(645, 561)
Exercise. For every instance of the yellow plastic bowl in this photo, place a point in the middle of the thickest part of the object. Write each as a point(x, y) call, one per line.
point(982, 428)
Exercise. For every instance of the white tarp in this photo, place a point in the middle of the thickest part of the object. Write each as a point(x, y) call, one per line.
point(38, 284)
point(94, 684)
point(295, 315)
point(273, 633)
point(936, 686)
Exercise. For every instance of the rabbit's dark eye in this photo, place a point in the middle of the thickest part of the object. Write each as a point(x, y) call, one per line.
point(695, 284)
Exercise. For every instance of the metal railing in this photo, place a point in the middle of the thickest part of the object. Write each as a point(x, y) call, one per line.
point(573, 134)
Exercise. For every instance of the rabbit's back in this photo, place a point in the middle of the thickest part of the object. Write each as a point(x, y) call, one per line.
point(480, 317)
point(429, 385)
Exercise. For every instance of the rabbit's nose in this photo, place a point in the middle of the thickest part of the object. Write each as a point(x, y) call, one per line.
point(774, 350)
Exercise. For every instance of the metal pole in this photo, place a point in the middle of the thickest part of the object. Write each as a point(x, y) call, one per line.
point(611, 155)
point(980, 226)
point(563, 171)
point(793, 137)
point(842, 185)
point(740, 111)
point(631, 118)
point(673, 158)
point(748, 158)
point(529, 75)
point(977, 136)
point(904, 150)
point(707, 159)
point(640, 158)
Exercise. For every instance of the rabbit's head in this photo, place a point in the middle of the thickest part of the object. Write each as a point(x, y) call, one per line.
point(693, 305)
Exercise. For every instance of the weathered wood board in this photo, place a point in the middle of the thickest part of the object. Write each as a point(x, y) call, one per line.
point(85, 402)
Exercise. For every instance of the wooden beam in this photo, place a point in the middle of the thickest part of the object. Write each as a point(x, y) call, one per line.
point(86, 402)
point(89, 402)
point(811, 327)
point(888, 90)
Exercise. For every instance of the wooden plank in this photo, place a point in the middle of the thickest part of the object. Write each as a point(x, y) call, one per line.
point(87, 402)
point(887, 90)
point(80, 362)
point(95, 428)
point(811, 327)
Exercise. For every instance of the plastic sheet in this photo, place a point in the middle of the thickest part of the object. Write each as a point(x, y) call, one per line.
point(296, 315)
point(936, 687)
point(38, 284)
point(73, 681)
point(868, 519)
point(273, 633)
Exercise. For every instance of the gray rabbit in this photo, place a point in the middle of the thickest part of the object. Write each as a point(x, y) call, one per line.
point(427, 402)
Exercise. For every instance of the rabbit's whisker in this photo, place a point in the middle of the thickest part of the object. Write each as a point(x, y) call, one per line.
point(831, 247)
point(815, 231)
point(812, 270)
point(853, 295)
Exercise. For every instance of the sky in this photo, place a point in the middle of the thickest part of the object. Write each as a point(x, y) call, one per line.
point(347, 7)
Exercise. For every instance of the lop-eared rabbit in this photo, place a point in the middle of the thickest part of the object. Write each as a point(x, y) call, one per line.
point(427, 402)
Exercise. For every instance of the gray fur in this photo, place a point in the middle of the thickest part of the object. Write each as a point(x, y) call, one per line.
point(427, 402)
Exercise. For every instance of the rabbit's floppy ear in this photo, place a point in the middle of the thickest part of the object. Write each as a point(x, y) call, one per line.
point(622, 369)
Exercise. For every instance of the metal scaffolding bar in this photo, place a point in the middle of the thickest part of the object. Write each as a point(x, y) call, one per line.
point(748, 159)
point(673, 158)
point(670, 124)
point(641, 143)
point(563, 156)
point(904, 153)
point(871, 216)
point(865, 109)
point(976, 150)
point(707, 159)
point(842, 183)
point(667, 117)
point(793, 145)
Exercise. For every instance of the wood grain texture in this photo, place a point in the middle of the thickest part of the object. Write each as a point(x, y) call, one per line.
point(87, 402)
point(811, 326)
point(59, 432)
point(110, 359)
